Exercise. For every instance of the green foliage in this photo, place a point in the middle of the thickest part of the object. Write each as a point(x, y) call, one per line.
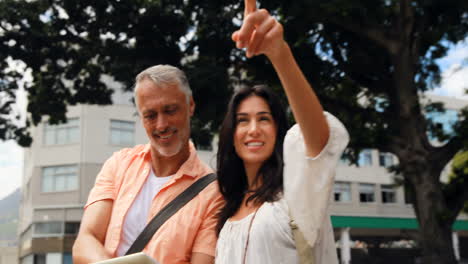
point(69, 45)
point(460, 166)
point(458, 177)
point(347, 49)
point(352, 37)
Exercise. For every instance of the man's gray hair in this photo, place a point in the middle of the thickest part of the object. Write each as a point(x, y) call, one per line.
point(164, 75)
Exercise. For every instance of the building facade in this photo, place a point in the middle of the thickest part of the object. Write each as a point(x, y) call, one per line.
point(62, 163)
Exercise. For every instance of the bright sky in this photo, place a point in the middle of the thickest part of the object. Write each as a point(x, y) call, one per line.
point(11, 167)
point(455, 72)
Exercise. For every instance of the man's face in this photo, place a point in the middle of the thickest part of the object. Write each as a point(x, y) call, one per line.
point(165, 115)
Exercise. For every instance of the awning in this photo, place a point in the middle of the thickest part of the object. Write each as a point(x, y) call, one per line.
point(385, 222)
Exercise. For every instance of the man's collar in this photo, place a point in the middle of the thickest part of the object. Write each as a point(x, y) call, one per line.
point(188, 168)
point(146, 150)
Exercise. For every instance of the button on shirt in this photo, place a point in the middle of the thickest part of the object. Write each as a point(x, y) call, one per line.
point(191, 229)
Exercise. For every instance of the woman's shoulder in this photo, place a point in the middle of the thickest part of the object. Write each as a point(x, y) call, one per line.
point(278, 208)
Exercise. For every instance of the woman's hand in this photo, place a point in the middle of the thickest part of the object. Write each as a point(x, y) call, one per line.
point(260, 33)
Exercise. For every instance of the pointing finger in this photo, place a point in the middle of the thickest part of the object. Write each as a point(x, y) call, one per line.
point(258, 36)
point(244, 35)
point(250, 6)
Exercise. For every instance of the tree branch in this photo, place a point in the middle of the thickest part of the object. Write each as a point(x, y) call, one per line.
point(406, 24)
point(443, 155)
point(375, 34)
point(406, 18)
point(459, 201)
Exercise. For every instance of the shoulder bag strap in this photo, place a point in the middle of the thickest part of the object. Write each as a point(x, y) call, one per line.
point(170, 209)
point(304, 251)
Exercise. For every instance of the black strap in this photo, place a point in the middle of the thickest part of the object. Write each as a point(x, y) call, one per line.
point(169, 210)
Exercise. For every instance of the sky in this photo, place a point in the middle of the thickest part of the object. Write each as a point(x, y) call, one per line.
point(11, 167)
point(455, 79)
point(454, 69)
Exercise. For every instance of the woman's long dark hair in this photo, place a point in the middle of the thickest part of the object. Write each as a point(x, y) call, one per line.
point(232, 178)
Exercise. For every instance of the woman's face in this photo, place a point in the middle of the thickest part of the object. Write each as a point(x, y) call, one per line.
point(255, 133)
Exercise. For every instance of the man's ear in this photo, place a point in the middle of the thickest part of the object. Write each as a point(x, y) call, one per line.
point(191, 106)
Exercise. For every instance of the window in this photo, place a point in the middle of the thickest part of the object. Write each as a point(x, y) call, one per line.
point(388, 194)
point(40, 259)
point(409, 195)
point(71, 228)
point(122, 133)
point(66, 133)
point(53, 257)
point(59, 178)
point(367, 193)
point(344, 160)
point(385, 159)
point(67, 258)
point(48, 228)
point(342, 192)
point(365, 158)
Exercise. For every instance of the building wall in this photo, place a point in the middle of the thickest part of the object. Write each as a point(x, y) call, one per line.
point(8, 255)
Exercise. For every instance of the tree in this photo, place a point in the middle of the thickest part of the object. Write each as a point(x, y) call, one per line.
point(69, 45)
point(372, 63)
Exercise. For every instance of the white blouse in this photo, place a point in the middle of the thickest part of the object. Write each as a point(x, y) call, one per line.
point(308, 183)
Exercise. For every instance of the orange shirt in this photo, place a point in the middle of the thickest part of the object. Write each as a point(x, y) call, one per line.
point(191, 229)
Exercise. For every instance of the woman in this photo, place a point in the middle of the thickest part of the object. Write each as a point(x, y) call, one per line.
point(255, 224)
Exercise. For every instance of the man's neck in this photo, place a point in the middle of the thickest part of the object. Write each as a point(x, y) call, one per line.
point(166, 166)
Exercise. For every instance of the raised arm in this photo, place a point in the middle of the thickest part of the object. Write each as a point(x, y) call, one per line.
point(89, 245)
point(263, 34)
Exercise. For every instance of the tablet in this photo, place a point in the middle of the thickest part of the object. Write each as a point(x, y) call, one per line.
point(137, 258)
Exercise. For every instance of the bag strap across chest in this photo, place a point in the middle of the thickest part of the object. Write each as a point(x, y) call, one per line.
point(304, 251)
point(169, 210)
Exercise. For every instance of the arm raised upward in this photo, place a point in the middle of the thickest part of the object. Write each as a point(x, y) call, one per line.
point(260, 34)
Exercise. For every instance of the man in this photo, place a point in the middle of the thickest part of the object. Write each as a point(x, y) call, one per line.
point(135, 184)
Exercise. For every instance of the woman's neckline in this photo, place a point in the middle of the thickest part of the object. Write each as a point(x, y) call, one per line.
point(245, 218)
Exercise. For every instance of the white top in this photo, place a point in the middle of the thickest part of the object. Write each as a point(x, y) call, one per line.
point(307, 188)
point(133, 224)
